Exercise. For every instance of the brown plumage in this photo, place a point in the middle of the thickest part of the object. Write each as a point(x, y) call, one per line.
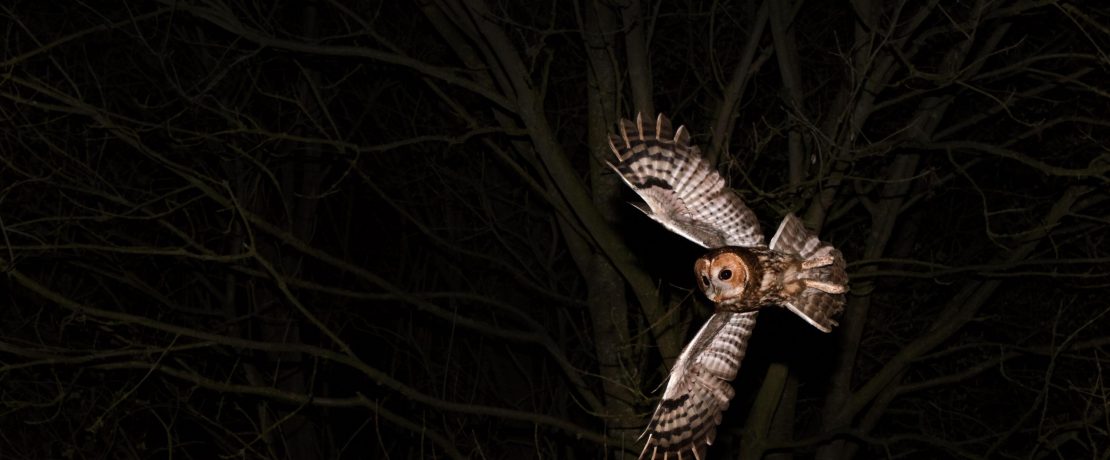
point(797, 271)
point(740, 275)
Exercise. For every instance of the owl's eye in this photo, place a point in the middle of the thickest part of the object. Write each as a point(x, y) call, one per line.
point(724, 275)
point(704, 280)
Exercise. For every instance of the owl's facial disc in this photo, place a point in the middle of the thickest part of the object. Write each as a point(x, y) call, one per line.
point(722, 276)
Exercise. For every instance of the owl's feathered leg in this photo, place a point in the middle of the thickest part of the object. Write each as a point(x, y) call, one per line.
point(818, 262)
point(821, 285)
point(831, 288)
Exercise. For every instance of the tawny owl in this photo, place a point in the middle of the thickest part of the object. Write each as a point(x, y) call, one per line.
point(740, 275)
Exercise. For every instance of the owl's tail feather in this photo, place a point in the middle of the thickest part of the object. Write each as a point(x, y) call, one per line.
point(816, 289)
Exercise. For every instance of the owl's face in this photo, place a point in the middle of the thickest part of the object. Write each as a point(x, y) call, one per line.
point(723, 276)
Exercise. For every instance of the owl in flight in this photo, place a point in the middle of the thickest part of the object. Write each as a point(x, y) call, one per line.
point(740, 274)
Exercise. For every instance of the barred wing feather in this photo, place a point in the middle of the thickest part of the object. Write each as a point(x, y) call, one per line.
point(680, 188)
point(699, 388)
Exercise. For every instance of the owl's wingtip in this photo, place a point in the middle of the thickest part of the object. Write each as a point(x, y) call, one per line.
point(647, 444)
point(613, 148)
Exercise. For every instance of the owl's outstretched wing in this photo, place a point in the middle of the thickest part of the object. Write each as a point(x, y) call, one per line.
point(699, 388)
point(818, 307)
point(681, 189)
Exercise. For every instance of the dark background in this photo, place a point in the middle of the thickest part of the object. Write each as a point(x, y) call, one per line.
point(325, 229)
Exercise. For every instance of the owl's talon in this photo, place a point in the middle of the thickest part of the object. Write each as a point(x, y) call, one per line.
point(825, 286)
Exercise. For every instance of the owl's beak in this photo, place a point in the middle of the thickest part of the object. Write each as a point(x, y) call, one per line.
point(712, 294)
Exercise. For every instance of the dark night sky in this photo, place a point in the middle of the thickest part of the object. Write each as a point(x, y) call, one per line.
point(328, 229)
